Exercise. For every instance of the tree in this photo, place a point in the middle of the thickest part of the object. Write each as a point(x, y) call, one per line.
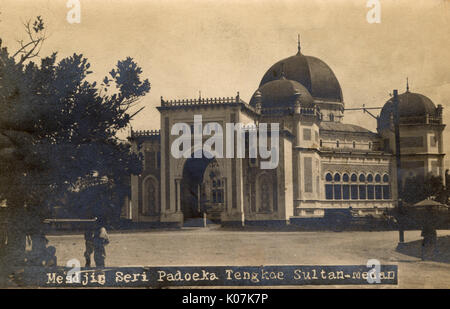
point(418, 188)
point(58, 136)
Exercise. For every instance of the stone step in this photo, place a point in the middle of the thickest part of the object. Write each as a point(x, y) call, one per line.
point(196, 222)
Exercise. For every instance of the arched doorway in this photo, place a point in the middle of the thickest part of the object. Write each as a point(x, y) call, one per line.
point(193, 171)
point(202, 189)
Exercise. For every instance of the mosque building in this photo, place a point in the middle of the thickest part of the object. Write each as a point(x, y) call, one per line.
point(324, 164)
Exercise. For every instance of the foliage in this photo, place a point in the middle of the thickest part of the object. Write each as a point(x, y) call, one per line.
point(58, 131)
point(418, 188)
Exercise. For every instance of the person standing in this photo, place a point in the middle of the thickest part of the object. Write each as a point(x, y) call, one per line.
point(38, 248)
point(429, 241)
point(89, 243)
point(50, 259)
point(101, 239)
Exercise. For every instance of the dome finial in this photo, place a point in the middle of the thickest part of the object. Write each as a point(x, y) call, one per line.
point(283, 75)
point(298, 44)
point(407, 84)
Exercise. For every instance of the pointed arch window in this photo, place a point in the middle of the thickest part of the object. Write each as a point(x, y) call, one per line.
point(213, 184)
point(345, 177)
point(150, 199)
point(378, 187)
point(386, 187)
point(328, 186)
point(337, 177)
point(217, 191)
point(265, 193)
point(354, 187)
point(345, 187)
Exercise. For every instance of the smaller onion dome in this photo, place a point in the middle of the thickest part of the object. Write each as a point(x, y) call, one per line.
point(413, 108)
point(281, 93)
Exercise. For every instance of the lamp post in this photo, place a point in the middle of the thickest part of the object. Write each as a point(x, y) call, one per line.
point(401, 235)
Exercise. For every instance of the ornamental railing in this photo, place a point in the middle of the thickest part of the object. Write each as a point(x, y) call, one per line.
point(201, 101)
point(155, 133)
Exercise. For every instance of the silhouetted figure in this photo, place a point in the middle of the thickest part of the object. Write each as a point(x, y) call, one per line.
point(41, 254)
point(3, 239)
point(50, 259)
point(38, 243)
point(89, 243)
point(447, 178)
point(429, 241)
point(100, 241)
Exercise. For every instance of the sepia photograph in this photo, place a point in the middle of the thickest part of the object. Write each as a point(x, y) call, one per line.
point(197, 145)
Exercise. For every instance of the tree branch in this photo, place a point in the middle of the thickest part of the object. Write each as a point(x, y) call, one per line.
point(28, 50)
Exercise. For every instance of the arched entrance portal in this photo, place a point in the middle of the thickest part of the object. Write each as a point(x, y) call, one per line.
point(202, 189)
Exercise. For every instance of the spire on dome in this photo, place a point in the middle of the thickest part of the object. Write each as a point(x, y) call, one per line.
point(298, 45)
point(282, 75)
point(407, 85)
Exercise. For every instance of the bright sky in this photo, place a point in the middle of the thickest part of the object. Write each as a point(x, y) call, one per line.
point(221, 47)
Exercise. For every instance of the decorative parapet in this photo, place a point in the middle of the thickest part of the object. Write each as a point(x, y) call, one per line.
point(201, 101)
point(145, 133)
point(426, 119)
point(304, 111)
point(210, 102)
point(312, 111)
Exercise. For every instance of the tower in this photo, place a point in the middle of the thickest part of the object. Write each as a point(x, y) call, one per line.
point(421, 134)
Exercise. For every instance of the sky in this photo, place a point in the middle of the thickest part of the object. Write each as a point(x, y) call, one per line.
point(220, 47)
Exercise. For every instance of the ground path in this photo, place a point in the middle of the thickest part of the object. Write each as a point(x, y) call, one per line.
point(213, 246)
